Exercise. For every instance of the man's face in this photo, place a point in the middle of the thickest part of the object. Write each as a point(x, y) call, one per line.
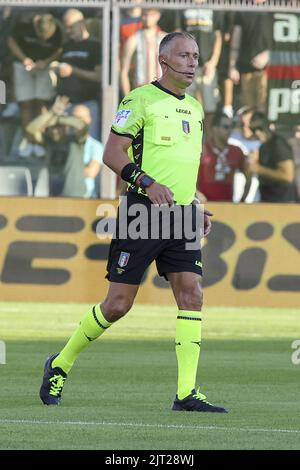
point(83, 113)
point(57, 133)
point(182, 56)
point(246, 118)
point(150, 18)
point(44, 26)
point(223, 129)
point(73, 28)
point(258, 131)
point(44, 35)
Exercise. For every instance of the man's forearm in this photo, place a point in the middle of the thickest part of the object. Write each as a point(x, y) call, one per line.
point(115, 153)
point(216, 49)
point(73, 122)
point(92, 169)
point(235, 46)
point(276, 174)
point(38, 124)
point(16, 50)
point(91, 75)
point(54, 56)
point(125, 83)
point(116, 160)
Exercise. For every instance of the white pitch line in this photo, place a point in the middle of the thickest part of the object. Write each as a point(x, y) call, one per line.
point(145, 425)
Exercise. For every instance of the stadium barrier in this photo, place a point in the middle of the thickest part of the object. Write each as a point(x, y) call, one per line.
point(50, 252)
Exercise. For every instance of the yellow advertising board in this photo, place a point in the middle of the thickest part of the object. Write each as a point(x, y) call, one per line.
point(49, 251)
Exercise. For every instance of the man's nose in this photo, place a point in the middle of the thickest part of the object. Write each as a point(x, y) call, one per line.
point(192, 62)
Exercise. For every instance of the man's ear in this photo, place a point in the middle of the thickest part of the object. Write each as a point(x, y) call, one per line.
point(36, 19)
point(162, 59)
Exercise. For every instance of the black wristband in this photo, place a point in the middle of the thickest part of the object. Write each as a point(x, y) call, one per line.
point(131, 172)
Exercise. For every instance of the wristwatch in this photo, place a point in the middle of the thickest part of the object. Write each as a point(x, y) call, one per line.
point(146, 181)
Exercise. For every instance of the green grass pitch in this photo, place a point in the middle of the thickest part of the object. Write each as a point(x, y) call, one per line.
point(119, 393)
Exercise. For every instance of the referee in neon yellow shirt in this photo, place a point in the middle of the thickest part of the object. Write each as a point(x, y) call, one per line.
point(155, 146)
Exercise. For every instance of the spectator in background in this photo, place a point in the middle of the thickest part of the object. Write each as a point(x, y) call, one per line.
point(203, 25)
point(92, 156)
point(34, 45)
point(131, 23)
point(249, 56)
point(79, 72)
point(9, 111)
point(7, 20)
point(225, 20)
point(273, 163)
point(242, 134)
point(70, 153)
point(243, 137)
point(219, 162)
point(142, 47)
point(295, 145)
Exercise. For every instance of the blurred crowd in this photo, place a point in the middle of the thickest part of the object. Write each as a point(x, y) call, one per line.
point(51, 124)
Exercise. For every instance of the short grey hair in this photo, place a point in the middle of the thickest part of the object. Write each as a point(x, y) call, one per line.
point(165, 42)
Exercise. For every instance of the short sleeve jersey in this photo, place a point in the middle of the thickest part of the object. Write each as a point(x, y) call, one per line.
point(34, 47)
point(217, 171)
point(85, 55)
point(271, 153)
point(166, 132)
point(256, 37)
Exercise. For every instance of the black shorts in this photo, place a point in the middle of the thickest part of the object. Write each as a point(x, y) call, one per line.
point(129, 258)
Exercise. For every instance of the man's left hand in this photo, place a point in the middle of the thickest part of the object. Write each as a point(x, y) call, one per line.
point(206, 216)
point(65, 70)
point(261, 60)
point(207, 222)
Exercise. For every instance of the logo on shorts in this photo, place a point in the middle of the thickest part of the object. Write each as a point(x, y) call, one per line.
point(120, 270)
point(123, 260)
point(198, 263)
point(186, 127)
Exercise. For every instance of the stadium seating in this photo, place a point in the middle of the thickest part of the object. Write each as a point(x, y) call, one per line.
point(15, 181)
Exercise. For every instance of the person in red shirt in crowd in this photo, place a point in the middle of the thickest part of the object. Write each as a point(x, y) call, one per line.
point(131, 22)
point(219, 162)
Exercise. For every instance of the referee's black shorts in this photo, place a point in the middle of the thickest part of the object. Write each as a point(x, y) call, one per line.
point(129, 258)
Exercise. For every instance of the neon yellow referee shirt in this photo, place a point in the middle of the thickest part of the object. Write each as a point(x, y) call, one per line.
point(166, 132)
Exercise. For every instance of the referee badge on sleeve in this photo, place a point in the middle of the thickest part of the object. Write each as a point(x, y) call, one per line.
point(186, 127)
point(121, 117)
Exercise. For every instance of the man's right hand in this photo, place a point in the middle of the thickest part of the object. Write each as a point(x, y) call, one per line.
point(261, 60)
point(65, 70)
point(28, 64)
point(60, 104)
point(234, 75)
point(160, 194)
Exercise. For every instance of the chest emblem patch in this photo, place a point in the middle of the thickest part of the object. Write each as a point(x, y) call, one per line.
point(186, 127)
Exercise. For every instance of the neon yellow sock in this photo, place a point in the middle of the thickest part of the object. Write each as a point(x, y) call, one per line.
point(91, 327)
point(188, 340)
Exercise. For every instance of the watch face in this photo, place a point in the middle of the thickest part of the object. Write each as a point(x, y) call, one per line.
point(146, 181)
